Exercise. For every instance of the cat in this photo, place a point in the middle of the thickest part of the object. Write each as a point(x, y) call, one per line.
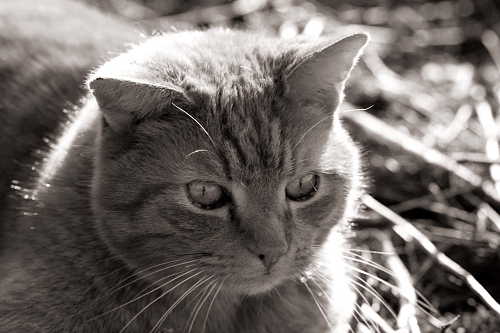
point(205, 185)
point(46, 50)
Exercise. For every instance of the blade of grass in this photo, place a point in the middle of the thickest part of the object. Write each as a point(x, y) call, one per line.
point(385, 133)
point(407, 319)
point(432, 250)
point(376, 318)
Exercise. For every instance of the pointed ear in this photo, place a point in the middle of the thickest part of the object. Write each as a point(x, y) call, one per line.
point(125, 101)
point(320, 78)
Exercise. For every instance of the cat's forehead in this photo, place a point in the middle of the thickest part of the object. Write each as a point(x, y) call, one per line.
point(254, 137)
point(236, 82)
point(212, 58)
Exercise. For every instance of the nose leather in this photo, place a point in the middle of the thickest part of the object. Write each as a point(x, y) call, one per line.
point(268, 253)
point(262, 226)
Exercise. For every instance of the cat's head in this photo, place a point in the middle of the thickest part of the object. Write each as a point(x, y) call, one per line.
point(221, 154)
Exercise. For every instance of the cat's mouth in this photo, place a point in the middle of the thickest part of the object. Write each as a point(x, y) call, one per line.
point(263, 281)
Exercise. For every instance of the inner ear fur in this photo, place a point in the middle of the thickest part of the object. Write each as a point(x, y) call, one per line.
point(124, 101)
point(320, 78)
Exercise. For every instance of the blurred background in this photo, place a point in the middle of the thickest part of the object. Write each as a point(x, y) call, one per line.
point(427, 93)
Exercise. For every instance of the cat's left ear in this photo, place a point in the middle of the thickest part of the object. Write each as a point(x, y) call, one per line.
point(125, 101)
point(320, 78)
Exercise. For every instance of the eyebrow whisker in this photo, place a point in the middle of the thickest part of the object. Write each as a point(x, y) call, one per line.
point(196, 121)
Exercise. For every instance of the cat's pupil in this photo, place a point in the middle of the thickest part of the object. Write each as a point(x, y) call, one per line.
point(302, 188)
point(205, 195)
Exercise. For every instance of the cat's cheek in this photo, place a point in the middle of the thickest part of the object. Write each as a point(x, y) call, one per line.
point(327, 208)
point(188, 220)
point(171, 212)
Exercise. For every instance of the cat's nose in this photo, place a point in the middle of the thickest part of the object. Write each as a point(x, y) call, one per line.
point(269, 255)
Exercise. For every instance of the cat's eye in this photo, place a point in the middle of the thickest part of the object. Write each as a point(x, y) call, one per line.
point(206, 195)
point(302, 188)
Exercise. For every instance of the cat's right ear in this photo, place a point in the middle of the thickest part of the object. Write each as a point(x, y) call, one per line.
point(124, 102)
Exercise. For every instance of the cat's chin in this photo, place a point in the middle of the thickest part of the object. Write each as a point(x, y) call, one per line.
point(256, 288)
point(259, 284)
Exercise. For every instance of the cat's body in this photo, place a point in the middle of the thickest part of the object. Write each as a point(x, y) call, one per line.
point(46, 50)
point(206, 190)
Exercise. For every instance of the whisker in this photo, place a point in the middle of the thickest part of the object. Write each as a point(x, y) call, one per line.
point(374, 293)
point(371, 263)
point(358, 314)
point(203, 293)
point(318, 304)
point(174, 305)
point(155, 283)
point(141, 271)
point(194, 313)
point(279, 295)
point(155, 300)
point(112, 290)
point(100, 279)
point(351, 250)
point(372, 323)
point(362, 260)
point(374, 316)
point(196, 121)
point(354, 268)
point(199, 151)
point(136, 298)
point(211, 303)
point(423, 304)
point(322, 278)
point(204, 297)
point(371, 289)
point(367, 262)
point(260, 304)
point(366, 251)
point(361, 109)
point(360, 318)
point(303, 135)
